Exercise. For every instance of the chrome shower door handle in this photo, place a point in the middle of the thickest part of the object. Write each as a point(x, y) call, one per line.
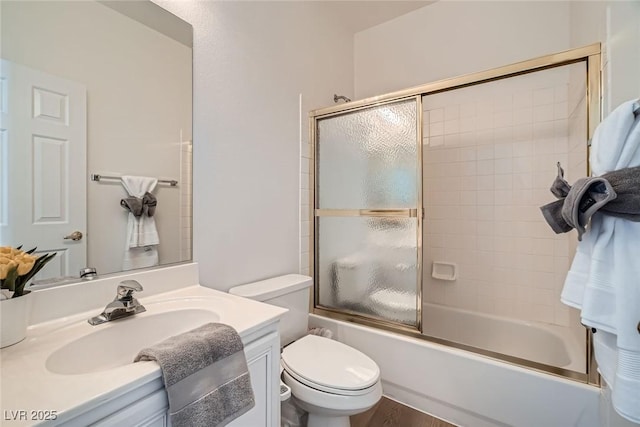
point(75, 236)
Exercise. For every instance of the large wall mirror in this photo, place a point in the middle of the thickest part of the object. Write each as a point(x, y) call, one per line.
point(96, 88)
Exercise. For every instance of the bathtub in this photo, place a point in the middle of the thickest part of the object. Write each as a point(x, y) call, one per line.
point(539, 342)
point(465, 388)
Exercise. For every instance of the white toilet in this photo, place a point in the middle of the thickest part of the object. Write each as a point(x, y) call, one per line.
point(328, 379)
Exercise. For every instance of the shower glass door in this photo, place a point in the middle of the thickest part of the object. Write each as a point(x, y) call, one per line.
point(367, 212)
point(491, 152)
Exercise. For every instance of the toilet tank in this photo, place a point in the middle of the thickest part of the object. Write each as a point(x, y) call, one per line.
point(291, 291)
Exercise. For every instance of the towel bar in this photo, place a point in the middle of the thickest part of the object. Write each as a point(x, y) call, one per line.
point(98, 177)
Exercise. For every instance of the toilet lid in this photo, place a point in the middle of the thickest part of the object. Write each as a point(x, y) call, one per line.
point(327, 364)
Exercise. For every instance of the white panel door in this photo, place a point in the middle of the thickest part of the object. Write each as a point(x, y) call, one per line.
point(43, 146)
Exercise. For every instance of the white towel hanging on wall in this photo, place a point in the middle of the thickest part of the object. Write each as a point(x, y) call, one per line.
point(603, 280)
point(142, 235)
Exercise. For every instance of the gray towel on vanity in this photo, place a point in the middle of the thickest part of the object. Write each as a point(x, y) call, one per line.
point(614, 193)
point(205, 374)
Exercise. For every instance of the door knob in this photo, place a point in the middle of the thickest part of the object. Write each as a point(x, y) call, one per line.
point(76, 235)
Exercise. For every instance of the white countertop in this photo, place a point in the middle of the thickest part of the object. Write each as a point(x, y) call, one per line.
point(28, 385)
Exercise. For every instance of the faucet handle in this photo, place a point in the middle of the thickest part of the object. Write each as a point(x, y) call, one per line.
point(127, 287)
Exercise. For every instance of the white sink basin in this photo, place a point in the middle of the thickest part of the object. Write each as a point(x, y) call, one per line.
point(114, 344)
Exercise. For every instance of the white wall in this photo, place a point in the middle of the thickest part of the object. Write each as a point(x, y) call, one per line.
point(138, 107)
point(251, 62)
point(617, 24)
point(451, 38)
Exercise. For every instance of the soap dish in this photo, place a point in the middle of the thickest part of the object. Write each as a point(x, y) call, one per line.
point(444, 270)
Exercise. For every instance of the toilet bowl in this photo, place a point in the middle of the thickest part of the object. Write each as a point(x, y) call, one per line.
point(328, 379)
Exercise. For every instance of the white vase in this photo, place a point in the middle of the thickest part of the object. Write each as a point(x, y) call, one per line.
point(14, 319)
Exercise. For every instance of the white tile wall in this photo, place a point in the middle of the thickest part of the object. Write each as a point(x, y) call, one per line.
point(305, 205)
point(490, 154)
point(186, 195)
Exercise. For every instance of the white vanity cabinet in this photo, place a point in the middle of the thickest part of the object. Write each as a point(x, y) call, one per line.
point(148, 404)
point(263, 358)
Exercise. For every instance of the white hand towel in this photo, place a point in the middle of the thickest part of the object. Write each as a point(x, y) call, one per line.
point(146, 256)
point(604, 279)
point(142, 234)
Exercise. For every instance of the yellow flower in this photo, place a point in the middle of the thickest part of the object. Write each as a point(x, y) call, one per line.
point(6, 265)
point(11, 258)
point(25, 263)
point(6, 260)
point(21, 265)
point(9, 252)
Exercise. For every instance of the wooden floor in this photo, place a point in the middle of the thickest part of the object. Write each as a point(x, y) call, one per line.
point(389, 413)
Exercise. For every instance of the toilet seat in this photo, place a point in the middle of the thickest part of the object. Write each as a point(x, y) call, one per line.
point(310, 398)
point(330, 366)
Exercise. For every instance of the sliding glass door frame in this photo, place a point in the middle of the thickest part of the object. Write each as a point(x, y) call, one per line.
point(590, 55)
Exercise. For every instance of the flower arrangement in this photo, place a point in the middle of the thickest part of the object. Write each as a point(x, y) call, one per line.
point(17, 267)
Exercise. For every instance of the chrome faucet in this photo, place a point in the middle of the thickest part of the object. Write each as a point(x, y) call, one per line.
point(123, 305)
